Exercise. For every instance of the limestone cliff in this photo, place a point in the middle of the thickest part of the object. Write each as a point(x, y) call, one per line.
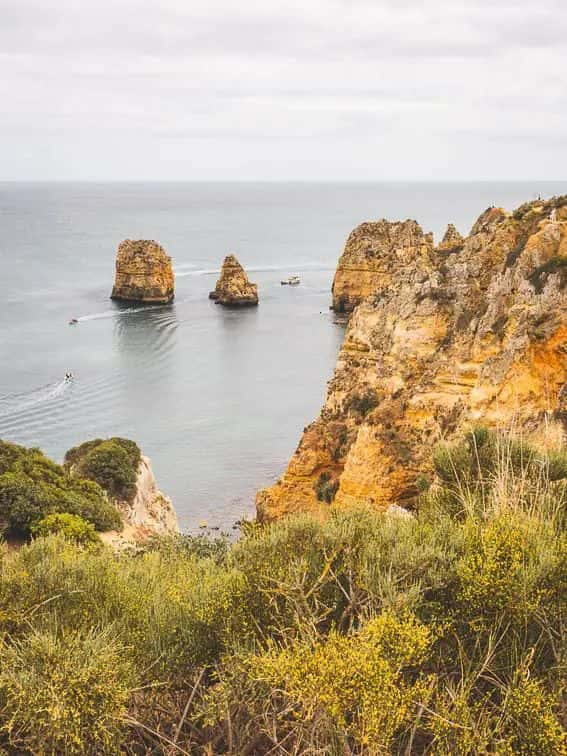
point(143, 273)
point(471, 332)
point(233, 287)
point(372, 253)
point(150, 512)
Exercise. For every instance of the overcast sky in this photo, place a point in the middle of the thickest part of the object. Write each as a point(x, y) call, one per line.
point(297, 89)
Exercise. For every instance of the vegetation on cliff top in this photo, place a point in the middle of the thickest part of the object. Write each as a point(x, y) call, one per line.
point(32, 487)
point(112, 463)
point(366, 633)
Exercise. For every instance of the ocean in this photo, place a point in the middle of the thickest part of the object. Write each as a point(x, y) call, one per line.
point(216, 398)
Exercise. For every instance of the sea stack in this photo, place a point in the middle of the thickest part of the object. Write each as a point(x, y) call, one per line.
point(143, 273)
point(372, 253)
point(233, 288)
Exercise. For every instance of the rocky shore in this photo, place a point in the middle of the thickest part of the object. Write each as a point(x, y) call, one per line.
point(471, 332)
point(143, 273)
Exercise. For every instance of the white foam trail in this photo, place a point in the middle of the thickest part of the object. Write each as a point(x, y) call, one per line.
point(12, 403)
point(306, 267)
point(118, 313)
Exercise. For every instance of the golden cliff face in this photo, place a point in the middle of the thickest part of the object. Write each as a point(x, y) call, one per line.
point(373, 251)
point(233, 288)
point(471, 332)
point(143, 273)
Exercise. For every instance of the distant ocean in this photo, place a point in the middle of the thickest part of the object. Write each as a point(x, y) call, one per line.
point(217, 398)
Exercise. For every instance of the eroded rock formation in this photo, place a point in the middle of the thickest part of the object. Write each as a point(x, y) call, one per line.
point(472, 332)
point(233, 287)
point(143, 273)
point(150, 512)
point(372, 253)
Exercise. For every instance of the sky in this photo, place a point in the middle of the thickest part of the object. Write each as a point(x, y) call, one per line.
point(296, 90)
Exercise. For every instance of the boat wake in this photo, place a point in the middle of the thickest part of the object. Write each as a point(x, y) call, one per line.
point(118, 313)
point(17, 402)
point(305, 267)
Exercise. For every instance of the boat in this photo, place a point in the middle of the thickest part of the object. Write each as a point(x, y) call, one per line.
point(73, 321)
point(291, 281)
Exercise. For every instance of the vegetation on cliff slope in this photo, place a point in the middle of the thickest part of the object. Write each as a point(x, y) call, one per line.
point(367, 633)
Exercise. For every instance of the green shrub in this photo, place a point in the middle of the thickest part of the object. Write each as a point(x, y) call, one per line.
point(64, 693)
point(68, 525)
point(326, 487)
point(32, 486)
point(113, 464)
point(363, 403)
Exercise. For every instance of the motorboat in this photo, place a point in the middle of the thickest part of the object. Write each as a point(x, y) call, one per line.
point(73, 321)
point(291, 281)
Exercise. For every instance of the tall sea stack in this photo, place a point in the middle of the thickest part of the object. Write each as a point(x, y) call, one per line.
point(233, 288)
point(143, 273)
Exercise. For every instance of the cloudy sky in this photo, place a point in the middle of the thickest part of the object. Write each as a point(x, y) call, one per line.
point(279, 90)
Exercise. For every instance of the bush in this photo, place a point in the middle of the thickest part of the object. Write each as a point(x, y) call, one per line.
point(326, 487)
point(32, 486)
point(348, 631)
point(64, 693)
point(363, 403)
point(68, 525)
point(113, 464)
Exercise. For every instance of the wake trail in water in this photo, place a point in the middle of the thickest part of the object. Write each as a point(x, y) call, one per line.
point(302, 267)
point(18, 402)
point(104, 314)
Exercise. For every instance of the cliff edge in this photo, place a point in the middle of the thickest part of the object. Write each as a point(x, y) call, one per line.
point(471, 332)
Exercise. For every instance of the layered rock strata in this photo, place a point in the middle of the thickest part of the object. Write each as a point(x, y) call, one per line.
point(233, 288)
point(143, 273)
point(373, 252)
point(471, 332)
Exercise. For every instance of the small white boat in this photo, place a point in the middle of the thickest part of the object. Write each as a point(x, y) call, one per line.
point(291, 281)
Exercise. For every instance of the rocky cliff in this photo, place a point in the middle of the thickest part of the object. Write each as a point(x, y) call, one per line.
point(233, 287)
point(373, 252)
point(471, 332)
point(143, 273)
point(150, 512)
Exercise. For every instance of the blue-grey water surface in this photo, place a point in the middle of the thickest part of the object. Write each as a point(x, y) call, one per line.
point(217, 398)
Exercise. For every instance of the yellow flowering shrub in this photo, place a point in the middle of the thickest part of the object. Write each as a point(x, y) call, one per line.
point(357, 680)
point(504, 569)
point(63, 693)
point(532, 722)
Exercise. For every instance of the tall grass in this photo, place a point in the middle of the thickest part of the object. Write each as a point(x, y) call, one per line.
point(367, 633)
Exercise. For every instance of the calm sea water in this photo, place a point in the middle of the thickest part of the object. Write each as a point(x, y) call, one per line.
point(217, 398)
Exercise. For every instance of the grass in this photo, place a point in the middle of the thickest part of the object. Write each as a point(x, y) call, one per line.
point(364, 633)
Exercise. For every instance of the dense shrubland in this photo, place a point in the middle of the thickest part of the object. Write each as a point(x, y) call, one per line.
point(33, 487)
point(367, 633)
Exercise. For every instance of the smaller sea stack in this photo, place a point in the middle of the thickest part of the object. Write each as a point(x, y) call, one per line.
point(233, 288)
point(143, 273)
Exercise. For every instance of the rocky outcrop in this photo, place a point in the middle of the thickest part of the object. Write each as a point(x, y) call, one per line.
point(372, 253)
point(452, 240)
point(149, 513)
point(143, 273)
point(233, 288)
point(473, 332)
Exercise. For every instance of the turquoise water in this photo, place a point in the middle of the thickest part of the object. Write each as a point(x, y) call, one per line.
point(217, 398)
